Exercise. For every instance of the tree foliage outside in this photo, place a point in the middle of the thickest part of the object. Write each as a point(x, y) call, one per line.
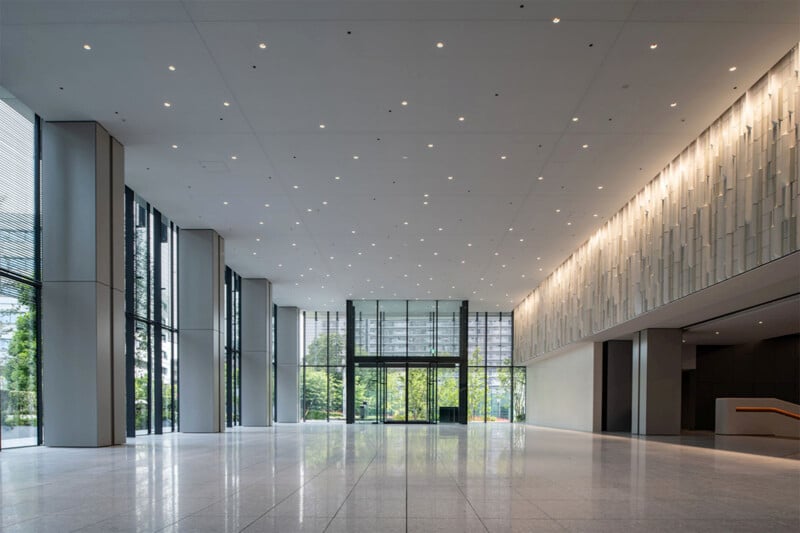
point(19, 375)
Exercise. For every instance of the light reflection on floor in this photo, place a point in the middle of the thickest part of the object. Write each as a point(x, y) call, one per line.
point(385, 478)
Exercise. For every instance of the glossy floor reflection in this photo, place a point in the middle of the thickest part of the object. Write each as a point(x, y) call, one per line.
point(337, 478)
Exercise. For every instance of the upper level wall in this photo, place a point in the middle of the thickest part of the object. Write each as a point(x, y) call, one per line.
point(727, 204)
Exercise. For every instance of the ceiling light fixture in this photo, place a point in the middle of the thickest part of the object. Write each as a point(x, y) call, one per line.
point(503, 157)
point(355, 157)
point(440, 44)
point(404, 103)
point(262, 45)
point(171, 68)
point(461, 119)
point(295, 186)
point(234, 157)
point(322, 126)
point(87, 47)
point(540, 178)
point(585, 146)
point(167, 104)
point(430, 145)
point(653, 46)
point(450, 177)
point(599, 187)
point(732, 69)
point(674, 104)
point(226, 104)
point(556, 20)
point(575, 119)
point(224, 203)
point(337, 178)
point(174, 146)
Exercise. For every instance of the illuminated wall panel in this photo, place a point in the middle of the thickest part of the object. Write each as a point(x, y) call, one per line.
point(728, 203)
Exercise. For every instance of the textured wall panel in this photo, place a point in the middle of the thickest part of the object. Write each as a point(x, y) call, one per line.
point(728, 203)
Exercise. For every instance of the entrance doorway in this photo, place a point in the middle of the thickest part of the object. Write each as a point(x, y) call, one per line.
point(407, 393)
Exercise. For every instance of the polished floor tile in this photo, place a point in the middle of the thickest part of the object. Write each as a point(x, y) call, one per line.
point(337, 478)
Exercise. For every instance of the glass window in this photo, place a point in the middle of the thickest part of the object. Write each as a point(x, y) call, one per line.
point(496, 387)
point(19, 275)
point(322, 383)
point(151, 344)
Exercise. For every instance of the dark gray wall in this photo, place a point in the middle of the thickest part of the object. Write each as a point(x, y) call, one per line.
point(617, 361)
point(764, 369)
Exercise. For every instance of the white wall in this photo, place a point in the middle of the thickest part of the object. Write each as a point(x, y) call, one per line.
point(564, 391)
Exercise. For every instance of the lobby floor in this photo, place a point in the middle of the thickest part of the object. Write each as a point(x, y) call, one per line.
point(337, 478)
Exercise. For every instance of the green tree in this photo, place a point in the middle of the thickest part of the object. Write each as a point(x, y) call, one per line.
point(19, 370)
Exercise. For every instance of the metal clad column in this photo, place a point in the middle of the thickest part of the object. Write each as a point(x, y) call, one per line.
point(83, 355)
point(288, 363)
point(201, 271)
point(256, 371)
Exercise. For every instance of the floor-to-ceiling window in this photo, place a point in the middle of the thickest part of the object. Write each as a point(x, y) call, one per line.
point(20, 278)
point(151, 318)
point(408, 361)
point(233, 348)
point(496, 387)
point(323, 366)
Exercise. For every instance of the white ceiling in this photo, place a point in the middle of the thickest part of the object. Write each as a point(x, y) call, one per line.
point(515, 76)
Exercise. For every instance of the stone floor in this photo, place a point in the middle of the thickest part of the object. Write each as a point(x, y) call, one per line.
point(332, 477)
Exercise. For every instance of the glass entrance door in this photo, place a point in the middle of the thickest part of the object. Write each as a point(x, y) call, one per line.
point(396, 384)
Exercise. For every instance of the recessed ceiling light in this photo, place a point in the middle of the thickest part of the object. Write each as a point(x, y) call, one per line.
point(426, 195)
point(653, 46)
point(167, 104)
point(266, 205)
point(569, 223)
point(522, 240)
point(294, 244)
point(355, 157)
point(497, 253)
point(450, 177)
point(461, 119)
point(87, 47)
point(430, 145)
point(353, 231)
point(585, 146)
point(595, 215)
point(258, 239)
point(280, 265)
point(261, 223)
point(226, 104)
point(575, 119)
point(469, 244)
point(599, 187)
point(538, 258)
point(510, 229)
point(324, 202)
point(425, 202)
point(297, 222)
point(234, 157)
point(405, 223)
point(337, 178)
point(174, 146)
point(540, 270)
point(309, 209)
point(503, 266)
point(435, 253)
point(674, 104)
point(422, 239)
point(295, 186)
point(503, 157)
point(404, 103)
point(171, 68)
point(558, 210)
point(760, 321)
point(322, 126)
point(440, 229)
point(372, 244)
point(254, 253)
point(540, 178)
point(716, 333)
point(556, 20)
point(262, 45)
point(224, 203)
point(732, 69)
point(440, 44)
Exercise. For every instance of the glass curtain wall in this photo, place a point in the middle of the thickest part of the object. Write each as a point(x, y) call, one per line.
point(323, 368)
point(407, 361)
point(151, 318)
point(20, 269)
point(496, 387)
point(233, 348)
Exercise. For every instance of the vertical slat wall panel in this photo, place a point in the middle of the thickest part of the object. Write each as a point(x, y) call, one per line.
point(727, 204)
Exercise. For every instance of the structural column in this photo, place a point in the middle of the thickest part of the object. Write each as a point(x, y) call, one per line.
point(256, 367)
point(656, 382)
point(287, 346)
point(201, 285)
point(83, 325)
